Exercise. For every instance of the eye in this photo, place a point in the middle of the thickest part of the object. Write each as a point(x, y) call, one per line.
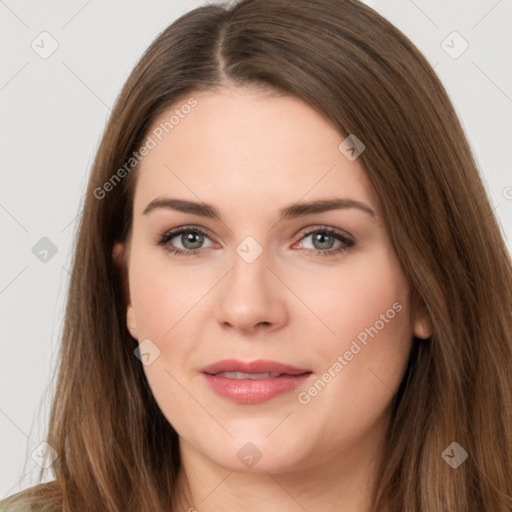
point(190, 237)
point(323, 240)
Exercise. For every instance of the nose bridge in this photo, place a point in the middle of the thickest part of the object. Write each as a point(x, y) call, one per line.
point(250, 250)
point(250, 265)
point(250, 296)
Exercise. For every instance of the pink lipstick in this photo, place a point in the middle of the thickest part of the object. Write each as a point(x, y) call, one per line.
point(253, 382)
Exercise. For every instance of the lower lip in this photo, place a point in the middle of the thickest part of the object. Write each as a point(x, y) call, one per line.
point(247, 391)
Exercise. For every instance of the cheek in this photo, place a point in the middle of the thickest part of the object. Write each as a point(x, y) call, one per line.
point(374, 341)
point(367, 307)
point(166, 301)
point(162, 300)
point(162, 293)
point(366, 299)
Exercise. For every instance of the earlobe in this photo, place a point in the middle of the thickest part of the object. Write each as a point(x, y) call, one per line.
point(421, 320)
point(422, 324)
point(423, 330)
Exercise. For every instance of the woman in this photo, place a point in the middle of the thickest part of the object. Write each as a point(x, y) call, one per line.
point(337, 335)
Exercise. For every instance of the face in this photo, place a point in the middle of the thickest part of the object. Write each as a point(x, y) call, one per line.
point(314, 298)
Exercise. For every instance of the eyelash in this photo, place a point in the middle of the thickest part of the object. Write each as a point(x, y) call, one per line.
point(347, 243)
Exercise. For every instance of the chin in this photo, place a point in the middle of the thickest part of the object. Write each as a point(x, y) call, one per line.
point(257, 453)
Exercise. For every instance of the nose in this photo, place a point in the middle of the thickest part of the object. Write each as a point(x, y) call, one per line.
point(251, 298)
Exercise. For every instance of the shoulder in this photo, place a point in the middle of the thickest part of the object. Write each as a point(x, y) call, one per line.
point(39, 498)
point(15, 503)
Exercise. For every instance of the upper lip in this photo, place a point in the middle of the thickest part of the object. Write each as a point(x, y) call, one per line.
point(259, 366)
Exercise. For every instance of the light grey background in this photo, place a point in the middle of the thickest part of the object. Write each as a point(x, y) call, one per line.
point(54, 111)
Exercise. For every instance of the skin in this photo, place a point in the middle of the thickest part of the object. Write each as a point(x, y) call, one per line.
point(250, 153)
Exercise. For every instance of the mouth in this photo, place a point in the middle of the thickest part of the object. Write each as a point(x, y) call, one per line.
point(251, 376)
point(253, 382)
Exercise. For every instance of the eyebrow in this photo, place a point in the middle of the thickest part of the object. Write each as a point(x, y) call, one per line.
point(286, 213)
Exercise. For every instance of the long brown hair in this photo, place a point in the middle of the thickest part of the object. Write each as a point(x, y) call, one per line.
point(117, 452)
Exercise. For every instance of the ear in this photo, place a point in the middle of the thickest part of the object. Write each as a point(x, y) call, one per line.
point(118, 257)
point(422, 323)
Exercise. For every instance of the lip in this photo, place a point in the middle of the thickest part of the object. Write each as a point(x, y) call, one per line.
point(253, 391)
point(258, 366)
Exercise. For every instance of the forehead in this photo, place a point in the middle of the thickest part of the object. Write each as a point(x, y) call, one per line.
point(247, 147)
